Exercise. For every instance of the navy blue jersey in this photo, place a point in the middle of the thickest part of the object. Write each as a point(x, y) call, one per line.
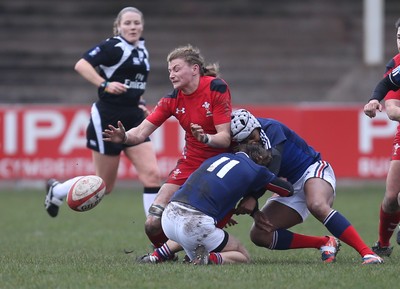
point(118, 60)
point(297, 155)
point(221, 181)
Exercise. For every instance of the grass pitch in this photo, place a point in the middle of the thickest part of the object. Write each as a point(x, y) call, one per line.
point(86, 250)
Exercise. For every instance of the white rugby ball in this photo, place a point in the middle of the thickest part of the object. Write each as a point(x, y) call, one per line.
point(86, 193)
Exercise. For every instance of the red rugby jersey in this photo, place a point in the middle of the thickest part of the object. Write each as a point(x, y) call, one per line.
point(208, 106)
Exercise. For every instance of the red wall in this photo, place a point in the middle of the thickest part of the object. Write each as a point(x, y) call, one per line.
point(38, 142)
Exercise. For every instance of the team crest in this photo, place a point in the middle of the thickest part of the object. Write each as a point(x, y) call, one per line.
point(395, 148)
point(175, 173)
point(206, 106)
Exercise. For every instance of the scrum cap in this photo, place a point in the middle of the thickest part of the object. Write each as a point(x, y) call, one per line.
point(242, 125)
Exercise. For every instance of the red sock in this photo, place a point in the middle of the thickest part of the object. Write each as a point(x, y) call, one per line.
point(387, 225)
point(158, 240)
point(351, 237)
point(215, 258)
point(304, 241)
point(163, 253)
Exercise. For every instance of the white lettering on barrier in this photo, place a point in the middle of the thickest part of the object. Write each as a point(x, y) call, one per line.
point(75, 136)
point(373, 167)
point(45, 167)
point(33, 131)
point(69, 167)
point(10, 132)
point(372, 128)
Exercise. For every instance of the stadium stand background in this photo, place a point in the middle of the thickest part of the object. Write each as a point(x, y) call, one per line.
point(269, 51)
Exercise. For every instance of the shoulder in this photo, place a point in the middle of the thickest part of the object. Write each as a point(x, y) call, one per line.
point(219, 85)
point(141, 43)
point(394, 62)
point(267, 122)
point(172, 95)
point(111, 42)
point(397, 59)
point(214, 83)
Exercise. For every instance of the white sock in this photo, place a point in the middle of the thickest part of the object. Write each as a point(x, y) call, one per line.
point(61, 190)
point(148, 200)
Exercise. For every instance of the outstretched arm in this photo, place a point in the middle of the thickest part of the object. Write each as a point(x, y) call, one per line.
point(133, 136)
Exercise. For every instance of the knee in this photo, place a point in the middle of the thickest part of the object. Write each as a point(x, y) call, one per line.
point(391, 203)
point(152, 226)
point(151, 178)
point(153, 222)
point(319, 209)
point(259, 238)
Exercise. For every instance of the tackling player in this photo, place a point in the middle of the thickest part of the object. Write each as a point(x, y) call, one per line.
point(209, 194)
point(314, 184)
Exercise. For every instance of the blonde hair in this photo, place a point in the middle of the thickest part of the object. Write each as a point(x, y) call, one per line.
point(192, 56)
point(117, 20)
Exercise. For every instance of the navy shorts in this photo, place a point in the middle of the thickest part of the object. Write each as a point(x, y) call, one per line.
point(103, 114)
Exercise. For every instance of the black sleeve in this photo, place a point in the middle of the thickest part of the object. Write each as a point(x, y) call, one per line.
point(281, 187)
point(383, 87)
point(278, 186)
point(275, 164)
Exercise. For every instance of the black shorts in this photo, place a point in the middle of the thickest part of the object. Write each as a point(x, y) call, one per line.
point(103, 114)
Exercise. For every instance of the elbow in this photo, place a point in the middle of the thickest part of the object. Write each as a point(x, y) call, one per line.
point(391, 112)
point(391, 116)
point(78, 65)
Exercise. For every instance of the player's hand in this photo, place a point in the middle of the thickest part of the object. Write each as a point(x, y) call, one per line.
point(262, 222)
point(371, 107)
point(230, 223)
point(246, 206)
point(198, 132)
point(116, 87)
point(115, 135)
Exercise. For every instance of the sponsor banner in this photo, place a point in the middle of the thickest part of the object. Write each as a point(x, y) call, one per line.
point(38, 142)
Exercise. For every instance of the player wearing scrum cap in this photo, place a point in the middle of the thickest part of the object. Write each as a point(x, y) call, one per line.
point(314, 184)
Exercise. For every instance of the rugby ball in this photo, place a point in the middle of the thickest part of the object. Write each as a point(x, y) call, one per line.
point(86, 193)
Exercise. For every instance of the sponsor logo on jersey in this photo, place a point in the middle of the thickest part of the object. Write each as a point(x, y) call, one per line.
point(94, 52)
point(138, 83)
point(182, 110)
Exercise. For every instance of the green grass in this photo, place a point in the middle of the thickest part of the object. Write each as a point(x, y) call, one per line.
point(85, 250)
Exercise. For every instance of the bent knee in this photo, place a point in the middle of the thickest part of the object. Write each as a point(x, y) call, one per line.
point(152, 226)
point(260, 238)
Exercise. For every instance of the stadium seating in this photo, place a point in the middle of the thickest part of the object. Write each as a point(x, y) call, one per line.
point(269, 51)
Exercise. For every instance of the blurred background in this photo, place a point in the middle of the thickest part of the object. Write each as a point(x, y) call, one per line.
point(311, 64)
point(269, 51)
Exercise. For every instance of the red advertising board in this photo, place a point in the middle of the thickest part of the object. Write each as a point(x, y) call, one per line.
point(38, 142)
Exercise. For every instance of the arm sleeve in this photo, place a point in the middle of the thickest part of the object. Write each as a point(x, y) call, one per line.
point(390, 82)
point(281, 187)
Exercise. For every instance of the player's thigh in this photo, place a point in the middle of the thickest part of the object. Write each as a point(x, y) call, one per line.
point(106, 167)
point(144, 159)
point(390, 201)
point(319, 194)
point(280, 215)
point(234, 244)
